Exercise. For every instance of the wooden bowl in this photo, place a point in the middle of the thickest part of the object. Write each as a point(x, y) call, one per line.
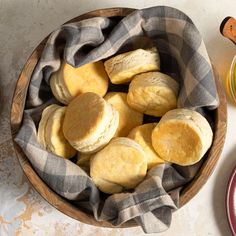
point(18, 103)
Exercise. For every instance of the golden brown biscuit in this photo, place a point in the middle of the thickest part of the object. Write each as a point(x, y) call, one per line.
point(153, 93)
point(128, 117)
point(120, 165)
point(143, 136)
point(50, 134)
point(90, 122)
point(123, 67)
point(43, 122)
point(182, 136)
point(68, 81)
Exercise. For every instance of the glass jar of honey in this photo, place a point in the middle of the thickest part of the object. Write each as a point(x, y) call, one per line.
point(230, 82)
point(228, 30)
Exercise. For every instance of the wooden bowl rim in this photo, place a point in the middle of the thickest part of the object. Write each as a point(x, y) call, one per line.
point(60, 203)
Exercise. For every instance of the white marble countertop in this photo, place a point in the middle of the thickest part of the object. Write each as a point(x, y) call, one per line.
point(23, 24)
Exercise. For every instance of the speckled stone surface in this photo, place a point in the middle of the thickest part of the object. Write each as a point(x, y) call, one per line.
point(23, 24)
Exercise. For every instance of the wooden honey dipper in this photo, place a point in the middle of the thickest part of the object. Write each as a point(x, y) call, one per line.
point(228, 28)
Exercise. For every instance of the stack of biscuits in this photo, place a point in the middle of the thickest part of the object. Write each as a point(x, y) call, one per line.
point(106, 131)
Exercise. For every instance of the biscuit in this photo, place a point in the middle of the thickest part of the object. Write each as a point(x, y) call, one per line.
point(120, 165)
point(90, 122)
point(43, 121)
point(50, 134)
point(182, 136)
point(123, 67)
point(68, 81)
point(143, 136)
point(128, 117)
point(153, 93)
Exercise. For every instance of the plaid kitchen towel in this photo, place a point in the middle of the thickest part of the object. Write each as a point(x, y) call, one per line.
point(183, 56)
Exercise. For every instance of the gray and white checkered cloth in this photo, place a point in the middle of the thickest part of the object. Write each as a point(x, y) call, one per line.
point(183, 55)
